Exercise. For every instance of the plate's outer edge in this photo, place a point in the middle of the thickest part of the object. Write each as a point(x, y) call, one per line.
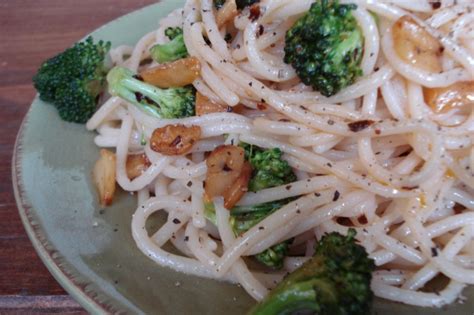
point(39, 242)
point(93, 302)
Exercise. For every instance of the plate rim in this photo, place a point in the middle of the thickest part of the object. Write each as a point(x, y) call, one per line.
point(24, 210)
point(89, 301)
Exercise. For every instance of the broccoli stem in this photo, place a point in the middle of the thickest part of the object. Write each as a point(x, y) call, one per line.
point(129, 85)
point(296, 297)
point(174, 50)
point(160, 103)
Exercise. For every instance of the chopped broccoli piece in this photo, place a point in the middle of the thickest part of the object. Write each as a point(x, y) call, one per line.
point(273, 257)
point(335, 281)
point(325, 47)
point(73, 80)
point(245, 217)
point(242, 218)
point(269, 169)
point(174, 50)
point(161, 103)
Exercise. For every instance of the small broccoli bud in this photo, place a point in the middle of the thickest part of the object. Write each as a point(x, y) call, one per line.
point(325, 47)
point(173, 32)
point(270, 169)
point(335, 281)
point(274, 256)
point(174, 50)
point(74, 79)
point(161, 103)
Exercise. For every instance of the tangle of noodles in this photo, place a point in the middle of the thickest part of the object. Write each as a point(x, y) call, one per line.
point(406, 182)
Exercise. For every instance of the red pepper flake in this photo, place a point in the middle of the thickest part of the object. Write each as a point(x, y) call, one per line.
point(378, 131)
point(261, 106)
point(360, 125)
point(254, 12)
point(336, 195)
point(176, 141)
point(410, 187)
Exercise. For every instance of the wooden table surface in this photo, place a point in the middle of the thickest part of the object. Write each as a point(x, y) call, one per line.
point(31, 31)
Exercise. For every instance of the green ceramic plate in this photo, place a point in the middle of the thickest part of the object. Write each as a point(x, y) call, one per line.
point(91, 252)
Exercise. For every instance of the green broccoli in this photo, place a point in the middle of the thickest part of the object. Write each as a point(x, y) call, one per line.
point(335, 281)
point(242, 218)
point(245, 217)
point(325, 47)
point(173, 32)
point(174, 50)
point(269, 169)
point(161, 103)
point(73, 80)
point(273, 257)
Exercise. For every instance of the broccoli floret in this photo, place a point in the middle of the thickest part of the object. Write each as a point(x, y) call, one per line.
point(273, 257)
point(269, 169)
point(173, 32)
point(174, 50)
point(335, 281)
point(325, 47)
point(161, 103)
point(242, 218)
point(73, 80)
point(245, 217)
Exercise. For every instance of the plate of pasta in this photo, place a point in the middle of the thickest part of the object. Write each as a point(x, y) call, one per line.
point(260, 157)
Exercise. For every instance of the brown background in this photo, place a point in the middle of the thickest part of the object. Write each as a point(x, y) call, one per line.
point(31, 31)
